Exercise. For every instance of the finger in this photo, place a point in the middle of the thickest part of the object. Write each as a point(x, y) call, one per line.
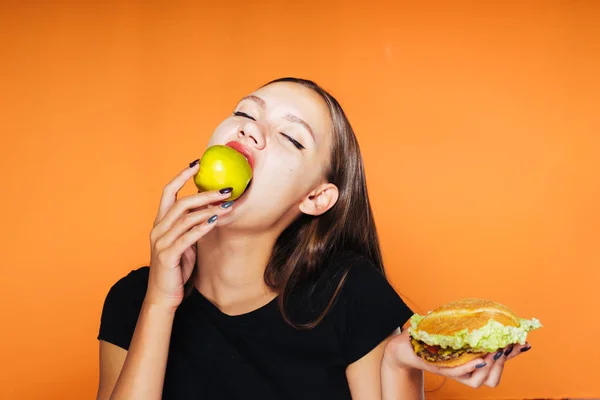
point(188, 258)
point(506, 354)
point(196, 201)
point(462, 370)
point(477, 377)
point(518, 350)
point(191, 237)
point(188, 221)
point(170, 191)
point(188, 262)
point(495, 374)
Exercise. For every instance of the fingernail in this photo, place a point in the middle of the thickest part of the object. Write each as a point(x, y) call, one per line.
point(481, 365)
point(226, 190)
point(193, 163)
point(212, 219)
point(524, 349)
point(508, 351)
point(227, 204)
point(498, 355)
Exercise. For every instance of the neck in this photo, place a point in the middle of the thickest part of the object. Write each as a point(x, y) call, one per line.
point(230, 270)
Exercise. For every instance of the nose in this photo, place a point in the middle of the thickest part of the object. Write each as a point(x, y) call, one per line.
point(252, 135)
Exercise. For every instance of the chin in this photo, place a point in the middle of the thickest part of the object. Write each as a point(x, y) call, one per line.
point(228, 220)
point(238, 221)
point(233, 218)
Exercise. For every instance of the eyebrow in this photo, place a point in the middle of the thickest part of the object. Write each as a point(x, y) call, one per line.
point(255, 99)
point(288, 117)
point(296, 120)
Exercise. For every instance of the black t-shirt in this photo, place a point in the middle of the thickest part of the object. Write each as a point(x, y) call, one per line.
point(258, 355)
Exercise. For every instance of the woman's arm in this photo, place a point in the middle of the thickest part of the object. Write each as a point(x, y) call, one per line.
point(397, 382)
point(140, 374)
point(374, 377)
point(178, 226)
point(112, 358)
point(364, 375)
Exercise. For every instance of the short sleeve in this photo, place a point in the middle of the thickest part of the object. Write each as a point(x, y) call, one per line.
point(122, 307)
point(370, 310)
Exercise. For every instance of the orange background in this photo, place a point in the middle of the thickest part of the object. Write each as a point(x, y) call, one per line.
point(479, 126)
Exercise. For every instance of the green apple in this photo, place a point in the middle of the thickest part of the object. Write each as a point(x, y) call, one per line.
point(221, 167)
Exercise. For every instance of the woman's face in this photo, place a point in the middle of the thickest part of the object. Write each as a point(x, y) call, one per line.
point(286, 128)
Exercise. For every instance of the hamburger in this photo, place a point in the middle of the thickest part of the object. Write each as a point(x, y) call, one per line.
point(458, 332)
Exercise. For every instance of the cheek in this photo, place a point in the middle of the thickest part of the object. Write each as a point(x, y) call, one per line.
point(284, 169)
point(289, 175)
point(223, 131)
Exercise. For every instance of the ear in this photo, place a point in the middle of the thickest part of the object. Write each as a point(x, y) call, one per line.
point(320, 199)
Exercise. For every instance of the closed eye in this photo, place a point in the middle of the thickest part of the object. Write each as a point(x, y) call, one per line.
point(244, 115)
point(294, 141)
point(297, 144)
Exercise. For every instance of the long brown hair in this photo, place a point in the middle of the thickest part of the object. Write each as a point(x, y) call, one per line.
point(303, 251)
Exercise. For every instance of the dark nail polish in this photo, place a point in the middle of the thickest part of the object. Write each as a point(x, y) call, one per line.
point(227, 204)
point(226, 190)
point(498, 355)
point(524, 349)
point(481, 365)
point(193, 163)
point(509, 350)
point(212, 219)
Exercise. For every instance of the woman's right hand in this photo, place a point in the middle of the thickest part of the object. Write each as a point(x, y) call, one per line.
point(179, 224)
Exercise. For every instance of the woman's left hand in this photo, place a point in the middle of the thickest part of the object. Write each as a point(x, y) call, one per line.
point(486, 371)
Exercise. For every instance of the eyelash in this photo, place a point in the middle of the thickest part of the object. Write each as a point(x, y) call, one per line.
point(297, 144)
point(243, 114)
point(294, 141)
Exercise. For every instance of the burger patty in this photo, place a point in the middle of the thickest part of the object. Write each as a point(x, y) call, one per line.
point(436, 353)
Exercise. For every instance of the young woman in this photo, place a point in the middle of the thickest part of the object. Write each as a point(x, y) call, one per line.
point(278, 295)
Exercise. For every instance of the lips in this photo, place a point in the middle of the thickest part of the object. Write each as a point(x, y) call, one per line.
point(245, 151)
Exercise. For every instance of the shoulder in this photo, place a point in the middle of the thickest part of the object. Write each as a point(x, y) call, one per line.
point(369, 308)
point(130, 289)
point(136, 280)
point(359, 277)
point(362, 276)
point(122, 307)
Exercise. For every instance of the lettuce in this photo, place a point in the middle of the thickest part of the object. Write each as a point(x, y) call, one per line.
point(489, 338)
